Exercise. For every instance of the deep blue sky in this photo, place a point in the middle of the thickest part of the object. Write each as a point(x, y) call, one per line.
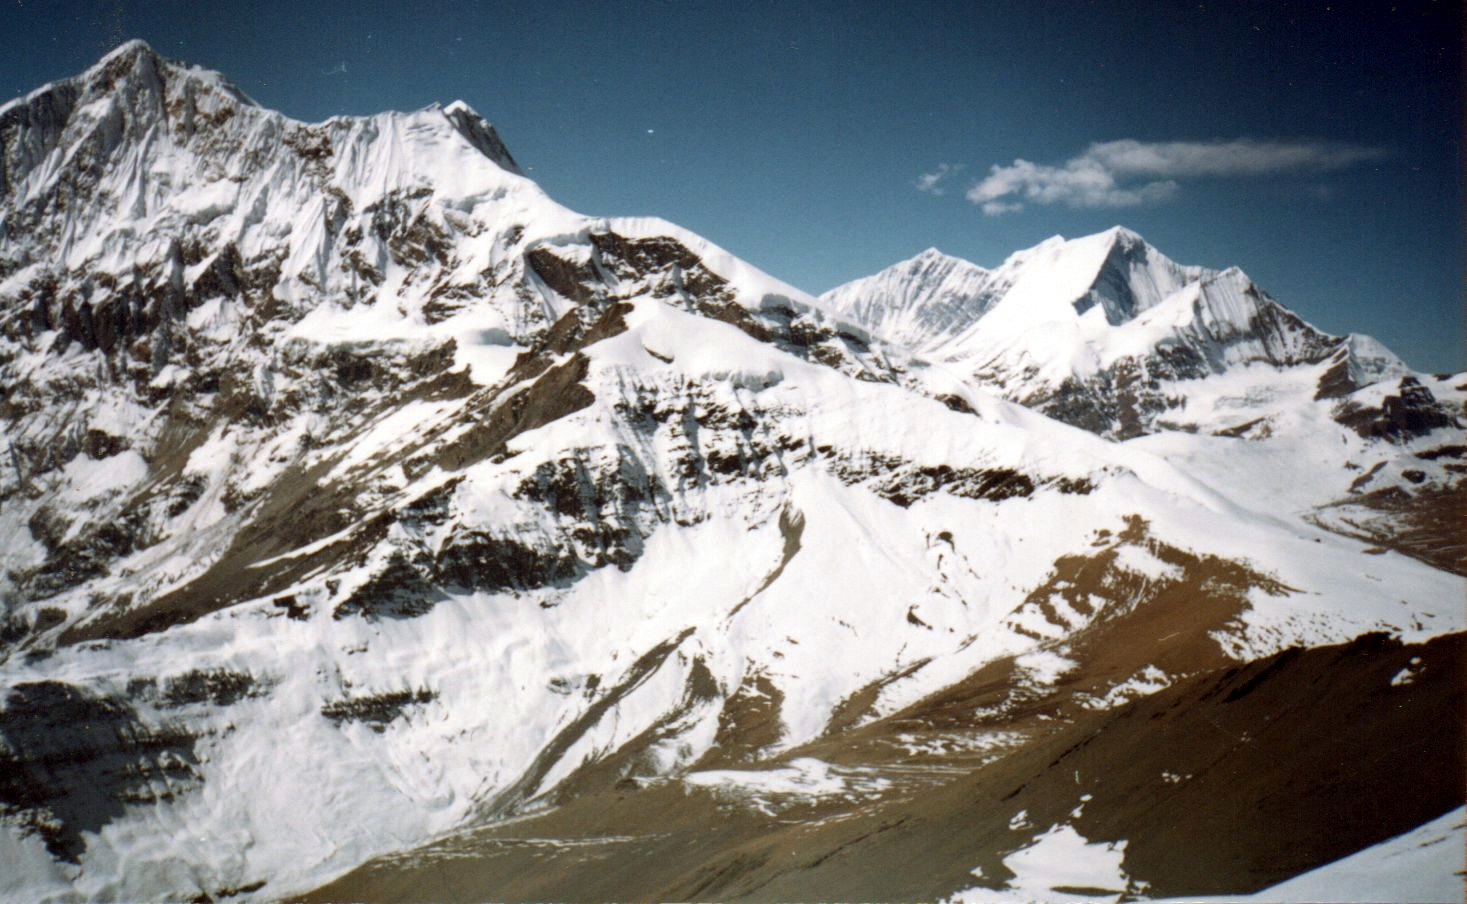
point(793, 134)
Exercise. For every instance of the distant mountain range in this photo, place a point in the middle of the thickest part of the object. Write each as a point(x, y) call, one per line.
point(1106, 333)
point(374, 527)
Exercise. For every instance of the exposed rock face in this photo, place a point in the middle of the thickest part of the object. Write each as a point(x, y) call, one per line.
point(1410, 412)
point(353, 492)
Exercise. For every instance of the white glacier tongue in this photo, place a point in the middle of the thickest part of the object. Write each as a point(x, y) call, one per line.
point(345, 433)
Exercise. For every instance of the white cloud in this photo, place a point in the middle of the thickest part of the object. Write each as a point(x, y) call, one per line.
point(1240, 157)
point(999, 208)
point(1127, 173)
point(931, 183)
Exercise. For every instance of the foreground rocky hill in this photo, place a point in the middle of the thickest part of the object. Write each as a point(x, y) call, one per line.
point(362, 502)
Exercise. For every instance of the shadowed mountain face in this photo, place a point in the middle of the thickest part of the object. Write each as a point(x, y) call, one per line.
point(356, 494)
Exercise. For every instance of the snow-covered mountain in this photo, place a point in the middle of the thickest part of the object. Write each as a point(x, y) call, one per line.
point(1106, 333)
point(358, 497)
point(917, 302)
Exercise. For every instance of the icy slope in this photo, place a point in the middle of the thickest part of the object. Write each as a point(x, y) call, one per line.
point(355, 492)
point(916, 302)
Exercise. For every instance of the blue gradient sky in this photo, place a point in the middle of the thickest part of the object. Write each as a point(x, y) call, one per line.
point(793, 134)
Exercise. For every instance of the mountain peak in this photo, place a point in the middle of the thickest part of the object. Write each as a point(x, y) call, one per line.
point(101, 76)
point(132, 48)
point(1122, 235)
point(1130, 274)
point(134, 57)
point(481, 134)
point(932, 257)
point(931, 264)
point(460, 107)
point(131, 67)
point(913, 301)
